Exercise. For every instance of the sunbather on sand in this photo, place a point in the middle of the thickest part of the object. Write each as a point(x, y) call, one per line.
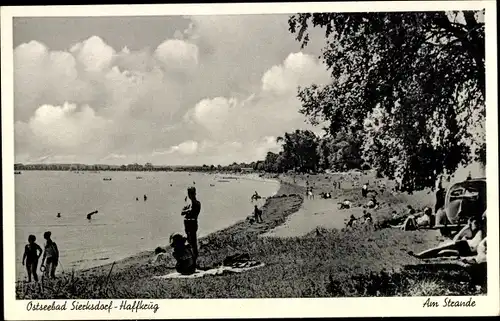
point(465, 243)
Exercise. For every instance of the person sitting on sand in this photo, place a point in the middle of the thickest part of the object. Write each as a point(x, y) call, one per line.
point(31, 257)
point(257, 214)
point(50, 255)
point(183, 254)
point(58, 215)
point(465, 243)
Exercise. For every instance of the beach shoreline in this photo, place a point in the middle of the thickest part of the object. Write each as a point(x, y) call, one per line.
point(133, 257)
point(322, 263)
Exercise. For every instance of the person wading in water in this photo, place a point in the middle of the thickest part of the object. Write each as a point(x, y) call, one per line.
point(32, 253)
point(190, 214)
point(50, 256)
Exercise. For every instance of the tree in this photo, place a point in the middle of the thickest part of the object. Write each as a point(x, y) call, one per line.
point(411, 84)
point(299, 150)
point(269, 164)
point(342, 151)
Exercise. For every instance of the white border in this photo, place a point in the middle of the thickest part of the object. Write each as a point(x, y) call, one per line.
point(235, 308)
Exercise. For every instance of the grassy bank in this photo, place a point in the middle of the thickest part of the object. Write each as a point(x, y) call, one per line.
point(324, 263)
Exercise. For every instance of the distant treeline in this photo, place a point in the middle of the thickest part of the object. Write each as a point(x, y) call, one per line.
point(134, 167)
point(301, 151)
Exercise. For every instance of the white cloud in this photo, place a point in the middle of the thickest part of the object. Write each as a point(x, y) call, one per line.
point(189, 147)
point(268, 112)
point(66, 126)
point(94, 54)
point(177, 54)
point(298, 69)
point(212, 93)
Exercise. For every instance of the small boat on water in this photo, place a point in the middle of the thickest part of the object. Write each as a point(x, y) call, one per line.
point(17, 172)
point(106, 179)
point(139, 177)
point(223, 181)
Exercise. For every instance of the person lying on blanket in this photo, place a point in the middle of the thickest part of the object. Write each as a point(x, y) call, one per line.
point(183, 254)
point(465, 243)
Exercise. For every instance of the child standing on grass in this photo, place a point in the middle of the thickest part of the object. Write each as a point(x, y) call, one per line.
point(50, 256)
point(31, 257)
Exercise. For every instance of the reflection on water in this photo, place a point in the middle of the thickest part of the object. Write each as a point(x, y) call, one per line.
point(125, 223)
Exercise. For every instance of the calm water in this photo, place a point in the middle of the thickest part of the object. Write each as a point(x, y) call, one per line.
point(123, 225)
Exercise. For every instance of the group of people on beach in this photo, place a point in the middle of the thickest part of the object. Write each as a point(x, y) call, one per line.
point(469, 241)
point(32, 253)
point(366, 220)
point(185, 248)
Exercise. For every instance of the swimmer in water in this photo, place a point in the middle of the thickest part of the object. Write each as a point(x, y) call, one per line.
point(145, 198)
point(89, 215)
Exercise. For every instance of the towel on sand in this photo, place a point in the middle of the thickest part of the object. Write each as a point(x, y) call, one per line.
point(215, 271)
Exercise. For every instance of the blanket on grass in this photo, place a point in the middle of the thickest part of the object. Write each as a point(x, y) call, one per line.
point(215, 271)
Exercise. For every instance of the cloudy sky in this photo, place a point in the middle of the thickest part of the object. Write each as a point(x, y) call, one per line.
point(166, 90)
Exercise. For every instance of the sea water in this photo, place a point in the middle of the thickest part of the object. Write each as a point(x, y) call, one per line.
point(125, 223)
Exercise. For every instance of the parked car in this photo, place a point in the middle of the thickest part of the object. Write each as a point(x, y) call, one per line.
point(465, 199)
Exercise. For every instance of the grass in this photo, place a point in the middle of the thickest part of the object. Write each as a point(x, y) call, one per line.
point(324, 263)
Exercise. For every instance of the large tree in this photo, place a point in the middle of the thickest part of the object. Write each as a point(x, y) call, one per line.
point(299, 150)
point(340, 151)
point(412, 84)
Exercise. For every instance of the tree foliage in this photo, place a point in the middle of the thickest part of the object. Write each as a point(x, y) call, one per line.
point(411, 85)
point(299, 151)
point(340, 152)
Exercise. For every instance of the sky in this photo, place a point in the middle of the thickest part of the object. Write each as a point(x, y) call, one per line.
point(171, 90)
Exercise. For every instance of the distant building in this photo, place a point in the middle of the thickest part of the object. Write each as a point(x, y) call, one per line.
point(247, 170)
